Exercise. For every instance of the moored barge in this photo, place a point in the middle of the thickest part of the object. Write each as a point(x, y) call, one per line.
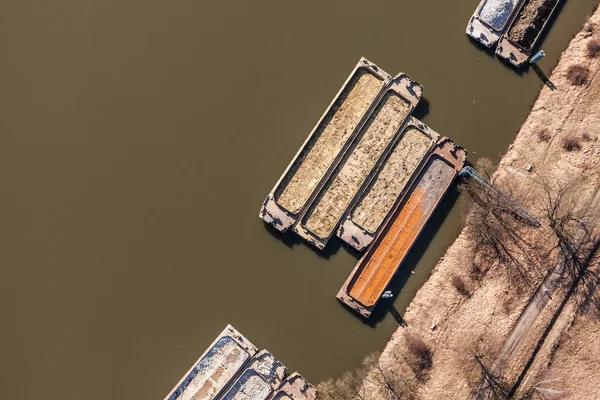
point(295, 387)
point(387, 186)
point(526, 29)
point(215, 368)
point(325, 145)
point(490, 20)
point(258, 381)
point(318, 223)
point(374, 271)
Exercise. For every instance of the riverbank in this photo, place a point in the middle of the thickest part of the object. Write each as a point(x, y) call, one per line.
point(468, 308)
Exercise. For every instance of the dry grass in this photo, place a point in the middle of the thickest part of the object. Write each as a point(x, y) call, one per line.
point(571, 143)
point(593, 48)
point(543, 135)
point(578, 75)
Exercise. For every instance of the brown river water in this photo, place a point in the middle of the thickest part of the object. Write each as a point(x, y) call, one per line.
point(138, 140)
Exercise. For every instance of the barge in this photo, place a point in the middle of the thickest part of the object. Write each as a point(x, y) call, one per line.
point(490, 20)
point(387, 185)
point(295, 387)
point(258, 381)
point(215, 368)
point(325, 146)
point(374, 271)
point(318, 223)
point(526, 29)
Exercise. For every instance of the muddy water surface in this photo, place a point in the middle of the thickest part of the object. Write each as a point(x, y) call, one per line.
point(138, 140)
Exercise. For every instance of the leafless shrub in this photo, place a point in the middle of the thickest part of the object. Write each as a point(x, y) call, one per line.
point(475, 272)
point(420, 355)
point(460, 285)
point(593, 48)
point(586, 137)
point(578, 75)
point(543, 135)
point(571, 143)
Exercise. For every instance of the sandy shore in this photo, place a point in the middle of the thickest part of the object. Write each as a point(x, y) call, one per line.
point(482, 321)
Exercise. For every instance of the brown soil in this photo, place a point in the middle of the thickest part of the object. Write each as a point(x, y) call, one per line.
point(394, 175)
point(484, 323)
point(530, 21)
point(331, 136)
point(372, 141)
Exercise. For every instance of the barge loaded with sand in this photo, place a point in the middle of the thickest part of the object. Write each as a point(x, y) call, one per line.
point(526, 29)
point(388, 184)
point(369, 279)
point(319, 222)
point(231, 369)
point(325, 146)
point(491, 19)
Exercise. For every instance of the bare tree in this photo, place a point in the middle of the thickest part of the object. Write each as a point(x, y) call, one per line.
point(492, 384)
point(501, 237)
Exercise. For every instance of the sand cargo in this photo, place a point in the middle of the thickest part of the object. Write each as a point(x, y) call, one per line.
point(490, 20)
point(295, 387)
point(215, 368)
point(526, 29)
point(372, 274)
point(258, 381)
point(388, 184)
point(319, 222)
point(325, 145)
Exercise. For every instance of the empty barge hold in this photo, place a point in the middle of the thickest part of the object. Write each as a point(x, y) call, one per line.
point(369, 279)
point(320, 220)
point(215, 368)
point(295, 387)
point(526, 28)
point(325, 145)
point(257, 382)
point(490, 20)
point(387, 185)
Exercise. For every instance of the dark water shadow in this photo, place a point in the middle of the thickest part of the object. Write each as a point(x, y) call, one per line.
point(422, 109)
point(414, 256)
point(543, 77)
point(490, 51)
point(290, 239)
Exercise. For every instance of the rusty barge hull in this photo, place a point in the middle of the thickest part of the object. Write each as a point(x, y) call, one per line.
point(319, 222)
point(258, 381)
point(388, 184)
point(372, 274)
point(324, 146)
point(490, 20)
point(215, 368)
point(517, 51)
point(295, 387)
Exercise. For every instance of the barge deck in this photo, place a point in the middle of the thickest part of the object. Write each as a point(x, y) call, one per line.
point(215, 368)
point(369, 279)
point(388, 184)
point(325, 145)
point(526, 28)
point(318, 223)
point(295, 387)
point(490, 20)
point(259, 380)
